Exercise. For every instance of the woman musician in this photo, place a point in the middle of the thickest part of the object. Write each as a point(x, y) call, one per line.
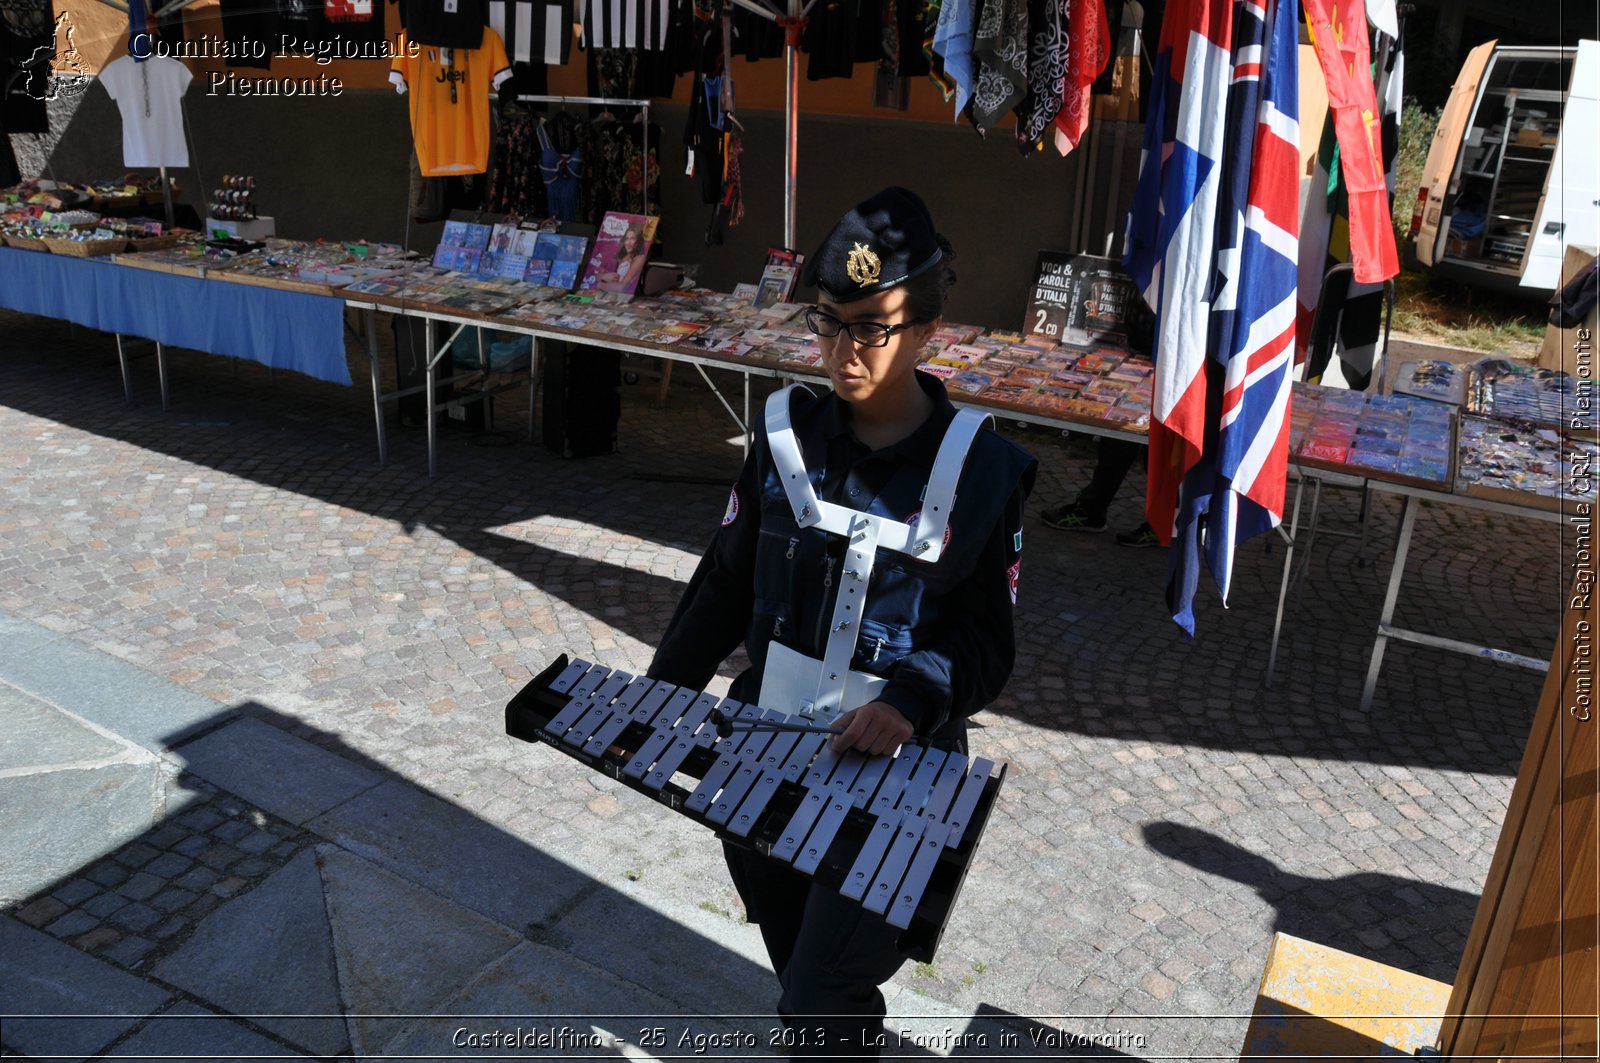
point(933, 641)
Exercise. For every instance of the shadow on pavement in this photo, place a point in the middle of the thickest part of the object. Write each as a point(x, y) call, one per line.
point(1348, 908)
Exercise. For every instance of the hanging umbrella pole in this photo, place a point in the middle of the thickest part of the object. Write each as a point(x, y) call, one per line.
point(793, 23)
point(792, 26)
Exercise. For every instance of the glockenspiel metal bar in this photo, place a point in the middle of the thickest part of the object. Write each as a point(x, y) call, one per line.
point(971, 790)
point(683, 742)
point(654, 701)
point(822, 768)
point(895, 865)
point(582, 691)
point(570, 675)
point(895, 781)
point(944, 791)
point(600, 709)
point(621, 716)
point(777, 753)
point(657, 743)
point(867, 781)
point(744, 776)
point(919, 788)
point(916, 881)
point(816, 846)
point(805, 817)
point(847, 771)
point(865, 868)
point(804, 752)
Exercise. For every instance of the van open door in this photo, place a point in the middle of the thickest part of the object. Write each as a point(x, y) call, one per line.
point(1444, 154)
point(1569, 211)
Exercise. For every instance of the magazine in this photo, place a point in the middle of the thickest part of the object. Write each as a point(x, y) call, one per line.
point(778, 277)
point(461, 246)
point(555, 259)
point(776, 281)
point(510, 248)
point(620, 249)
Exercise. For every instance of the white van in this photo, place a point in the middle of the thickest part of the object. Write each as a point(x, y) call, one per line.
point(1513, 174)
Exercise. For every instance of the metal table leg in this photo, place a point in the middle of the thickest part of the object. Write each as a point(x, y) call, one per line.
point(161, 370)
point(127, 376)
point(1408, 520)
point(535, 372)
point(427, 377)
point(744, 424)
point(377, 384)
point(1283, 584)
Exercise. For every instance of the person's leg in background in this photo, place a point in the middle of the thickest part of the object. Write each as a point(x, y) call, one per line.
point(1088, 512)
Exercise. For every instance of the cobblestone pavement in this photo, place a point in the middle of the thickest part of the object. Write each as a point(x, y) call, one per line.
point(1165, 811)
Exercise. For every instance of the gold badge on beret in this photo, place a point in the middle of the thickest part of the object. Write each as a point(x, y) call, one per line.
point(863, 266)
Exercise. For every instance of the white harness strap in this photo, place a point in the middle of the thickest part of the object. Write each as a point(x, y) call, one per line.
point(865, 533)
point(925, 540)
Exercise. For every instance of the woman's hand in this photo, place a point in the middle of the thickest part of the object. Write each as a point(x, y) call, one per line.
point(875, 728)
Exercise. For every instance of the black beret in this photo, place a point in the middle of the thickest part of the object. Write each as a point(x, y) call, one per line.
point(880, 243)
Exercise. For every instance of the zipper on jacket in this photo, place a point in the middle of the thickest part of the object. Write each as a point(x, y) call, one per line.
point(792, 544)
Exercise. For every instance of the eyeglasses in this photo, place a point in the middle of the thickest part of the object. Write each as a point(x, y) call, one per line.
point(862, 333)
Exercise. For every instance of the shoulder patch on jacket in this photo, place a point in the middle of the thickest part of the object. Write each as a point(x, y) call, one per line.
point(731, 514)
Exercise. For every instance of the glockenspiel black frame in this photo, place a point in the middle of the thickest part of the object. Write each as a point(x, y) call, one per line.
point(896, 834)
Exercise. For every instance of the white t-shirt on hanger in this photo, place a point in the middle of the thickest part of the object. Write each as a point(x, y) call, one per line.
point(149, 94)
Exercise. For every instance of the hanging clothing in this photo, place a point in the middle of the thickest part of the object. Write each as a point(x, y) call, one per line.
point(952, 44)
point(755, 37)
point(656, 74)
point(911, 23)
point(250, 30)
point(619, 170)
point(449, 90)
point(515, 186)
point(625, 23)
point(564, 149)
point(702, 133)
point(1000, 52)
point(445, 23)
point(1347, 67)
point(1089, 52)
point(149, 95)
point(831, 39)
point(534, 31)
point(1047, 68)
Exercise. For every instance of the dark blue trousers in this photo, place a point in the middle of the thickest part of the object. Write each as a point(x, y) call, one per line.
point(830, 953)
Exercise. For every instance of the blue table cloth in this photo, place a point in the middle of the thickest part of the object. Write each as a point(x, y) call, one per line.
point(284, 330)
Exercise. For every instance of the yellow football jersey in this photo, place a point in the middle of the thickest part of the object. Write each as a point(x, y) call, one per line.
point(449, 90)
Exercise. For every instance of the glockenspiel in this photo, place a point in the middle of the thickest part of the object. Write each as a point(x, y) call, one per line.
point(895, 833)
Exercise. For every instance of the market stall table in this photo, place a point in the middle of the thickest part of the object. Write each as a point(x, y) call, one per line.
point(1414, 496)
point(279, 329)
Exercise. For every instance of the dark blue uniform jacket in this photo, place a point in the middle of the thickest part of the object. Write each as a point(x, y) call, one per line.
point(941, 632)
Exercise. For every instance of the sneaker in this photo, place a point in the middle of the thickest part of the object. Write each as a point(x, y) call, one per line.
point(1139, 538)
point(1073, 517)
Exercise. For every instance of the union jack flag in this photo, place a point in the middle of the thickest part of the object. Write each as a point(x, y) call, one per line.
point(1212, 245)
point(1253, 429)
